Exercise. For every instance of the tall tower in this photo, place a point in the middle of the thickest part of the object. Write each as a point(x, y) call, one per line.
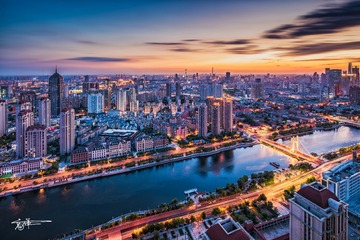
point(202, 120)
point(121, 100)
point(178, 89)
point(350, 68)
point(45, 112)
point(24, 119)
point(215, 118)
point(56, 92)
point(3, 118)
point(228, 115)
point(36, 141)
point(67, 131)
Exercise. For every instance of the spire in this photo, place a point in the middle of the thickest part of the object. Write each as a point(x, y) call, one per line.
point(56, 69)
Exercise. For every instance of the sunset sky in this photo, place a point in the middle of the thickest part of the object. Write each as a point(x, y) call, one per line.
point(164, 36)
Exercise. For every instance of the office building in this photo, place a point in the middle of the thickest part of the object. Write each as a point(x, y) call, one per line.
point(67, 131)
point(215, 119)
point(132, 93)
point(178, 89)
point(121, 100)
point(56, 92)
point(134, 106)
point(257, 89)
point(24, 119)
point(316, 213)
point(45, 112)
point(228, 115)
point(30, 98)
point(5, 91)
point(168, 90)
point(3, 118)
point(35, 141)
point(354, 95)
point(202, 120)
point(343, 180)
point(95, 103)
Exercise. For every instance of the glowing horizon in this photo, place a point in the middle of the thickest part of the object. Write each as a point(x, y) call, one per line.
point(142, 37)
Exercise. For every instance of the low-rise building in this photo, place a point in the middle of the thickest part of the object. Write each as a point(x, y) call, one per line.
point(21, 166)
point(118, 147)
point(144, 143)
point(79, 155)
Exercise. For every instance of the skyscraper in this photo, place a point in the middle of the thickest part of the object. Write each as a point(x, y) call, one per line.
point(228, 115)
point(257, 89)
point(95, 103)
point(121, 100)
point(56, 92)
point(178, 89)
point(3, 118)
point(45, 112)
point(349, 68)
point(202, 120)
point(36, 141)
point(168, 90)
point(67, 131)
point(24, 119)
point(215, 118)
point(132, 94)
point(354, 95)
point(316, 213)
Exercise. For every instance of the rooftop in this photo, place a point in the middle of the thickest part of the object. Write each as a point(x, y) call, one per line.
point(317, 194)
point(227, 230)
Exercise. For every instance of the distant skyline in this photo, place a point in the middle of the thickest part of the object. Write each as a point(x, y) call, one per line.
point(163, 36)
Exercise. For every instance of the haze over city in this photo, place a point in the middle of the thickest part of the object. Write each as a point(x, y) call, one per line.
point(96, 37)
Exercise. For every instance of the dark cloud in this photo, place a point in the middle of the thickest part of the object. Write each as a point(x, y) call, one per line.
point(331, 19)
point(315, 48)
point(191, 40)
point(184, 50)
point(99, 59)
point(249, 49)
point(86, 42)
point(231, 42)
point(166, 43)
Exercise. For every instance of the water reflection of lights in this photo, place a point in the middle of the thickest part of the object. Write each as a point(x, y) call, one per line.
point(41, 196)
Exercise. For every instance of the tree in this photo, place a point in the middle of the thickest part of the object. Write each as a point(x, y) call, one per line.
point(216, 211)
point(192, 218)
point(203, 215)
point(262, 197)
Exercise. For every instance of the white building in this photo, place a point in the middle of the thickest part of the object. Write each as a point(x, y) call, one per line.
point(119, 148)
point(3, 118)
point(45, 112)
point(121, 100)
point(24, 119)
point(202, 120)
point(95, 103)
point(21, 166)
point(343, 180)
point(36, 141)
point(67, 131)
point(316, 213)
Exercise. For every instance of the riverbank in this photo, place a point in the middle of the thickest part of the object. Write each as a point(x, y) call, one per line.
point(123, 170)
point(289, 136)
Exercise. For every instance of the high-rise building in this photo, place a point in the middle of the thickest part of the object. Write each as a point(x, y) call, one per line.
point(215, 119)
point(132, 93)
point(36, 141)
point(121, 100)
point(134, 106)
point(23, 106)
point(354, 95)
point(228, 115)
point(178, 89)
point(217, 90)
point(343, 180)
point(227, 76)
point(168, 90)
point(24, 119)
point(67, 131)
point(66, 90)
point(30, 98)
point(3, 118)
point(202, 120)
point(95, 103)
point(86, 84)
point(45, 112)
point(350, 68)
point(204, 91)
point(56, 92)
point(257, 89)
point(5, 91)
point(316, 213)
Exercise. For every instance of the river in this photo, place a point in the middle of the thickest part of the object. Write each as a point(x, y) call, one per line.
point(83, 204)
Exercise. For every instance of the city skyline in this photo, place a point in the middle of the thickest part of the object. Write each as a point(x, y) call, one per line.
point(168, 37)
